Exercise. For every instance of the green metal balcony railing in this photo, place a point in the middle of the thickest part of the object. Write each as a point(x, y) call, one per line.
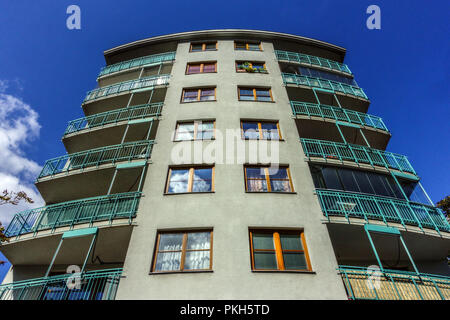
point(124, 114)
point(337, 113)
point(111, 154)
point(356, 153)
point(365, 206)
point(361, 283)
point(299, 80)
point(312, 60)
point(159, 80)
point(94, 285)
point(138, 62)
point(88, 210)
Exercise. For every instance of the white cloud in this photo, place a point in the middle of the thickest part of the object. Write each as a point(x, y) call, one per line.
point(18, 127)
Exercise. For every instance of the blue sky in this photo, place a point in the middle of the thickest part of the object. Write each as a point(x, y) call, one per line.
point(46, 69)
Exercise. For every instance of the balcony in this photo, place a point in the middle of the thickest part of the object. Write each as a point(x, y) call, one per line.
point(127, 86)
point(112, 117)
point(116, 206)
point(312, 60)
point(94, 285)
point(329, 150)
point(393, 285)
point(121, 152)
point(299, 80)
point(336, 113)
point(365, 206)
point(138, 62)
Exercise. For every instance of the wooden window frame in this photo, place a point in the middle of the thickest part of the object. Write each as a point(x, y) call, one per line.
point(267, 176)
point(202, 65)
point(190, 178)
point(260, 131)
point(199, 91)
point(238, 62)
point(255, 97)
point(203, 46)
point(279, 250)
point(195, 123)
point(246, 45)
point(183, 250)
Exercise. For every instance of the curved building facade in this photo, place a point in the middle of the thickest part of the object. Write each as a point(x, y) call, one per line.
point(228, 164)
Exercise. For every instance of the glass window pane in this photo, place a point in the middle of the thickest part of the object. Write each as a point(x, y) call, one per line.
point(257, 185)
point(202, 180)
point(280, 173)
point(197, 47)
point(262, 241)
point(170, 241)
point(294, 261)
point(270, 131)
point(363, 182)
point(198, 240)
point(190, 95)
point(205, 126)
point(196, 260)
point(377, 184)
point(263, 92)
point(194, 68)
point(348, 180)
point(258, 173)
point(291, 242)
point(209, 67)
point(261, 98)
point(168, 261)
point(280, 186)
point(178, 181)
point(331, 178)
point(251, 130)
point(265, 260)
point(211, 46)
point(240, 46)
point(205, 135)
point(253, 46)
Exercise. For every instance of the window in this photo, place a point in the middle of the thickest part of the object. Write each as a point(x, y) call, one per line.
point(203, 46)
point(183, 251)
point(196, 130)
point(249, 46)
point(254, 94)
point(248, 66)
point(260, 130)
point(190, 179)
point(200, 94)
point(206, 67)
point(279, 250)
point(268, 179)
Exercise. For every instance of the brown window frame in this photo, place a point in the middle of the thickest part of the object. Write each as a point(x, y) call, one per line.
point(260, 131)
point(254, 93)
point(199, 90)
point(202, 65)
point(279, 250)
point(267, 178)
point(195, 123)
point(190, 178)
point(246, 45)
point(239, 62)
point(203, 46)
point(183, 250)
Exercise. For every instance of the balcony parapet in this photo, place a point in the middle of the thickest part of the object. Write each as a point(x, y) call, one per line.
point(138, 62)
point(95, 285)
point(115, 116)
point(312, 60)
point(299, 80)
point(366, 206)
point(393, 285)
point(337, 113)
point(111, 154)
point(88, 210)
point(356, 153)
point(127, 86)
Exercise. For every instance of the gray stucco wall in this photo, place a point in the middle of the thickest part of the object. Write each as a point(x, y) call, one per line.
point(230, 211)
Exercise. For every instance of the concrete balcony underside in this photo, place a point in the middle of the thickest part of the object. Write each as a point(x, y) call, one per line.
point(393, 285)
point(365, 207)
point(110, 134)
point(341, 153)
point(39, 248)
point(290, 79)
point(89, 182)
point(95, 285)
